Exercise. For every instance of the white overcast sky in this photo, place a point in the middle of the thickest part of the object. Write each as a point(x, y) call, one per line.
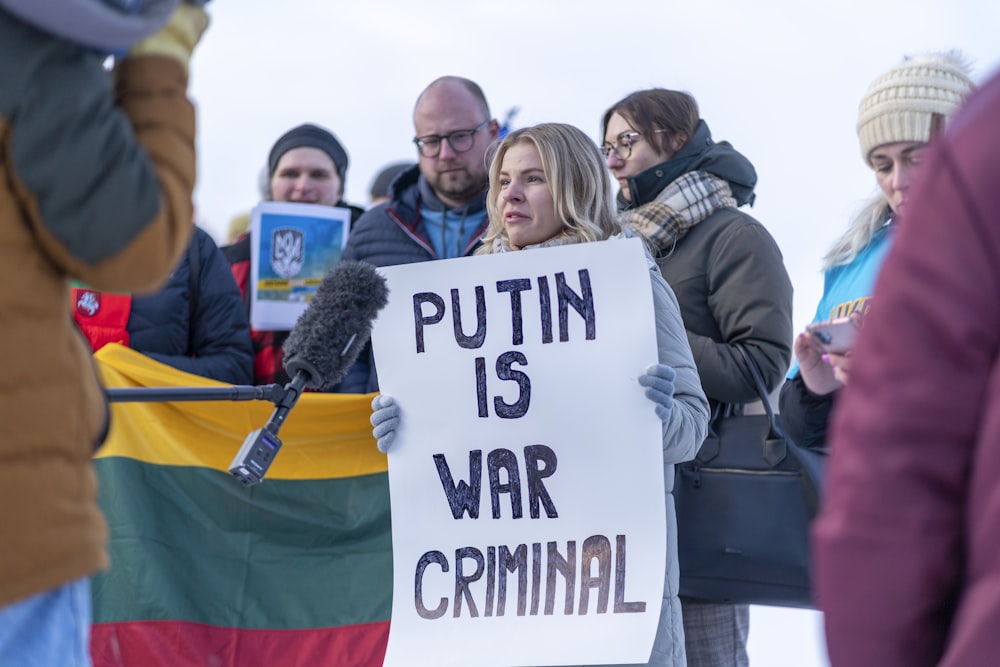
point(780, 80)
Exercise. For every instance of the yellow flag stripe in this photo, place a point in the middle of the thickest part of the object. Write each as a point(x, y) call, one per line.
point(324, 436)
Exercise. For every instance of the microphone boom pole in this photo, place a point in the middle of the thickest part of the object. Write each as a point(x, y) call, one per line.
point(326, 340)
point(268, 392)
point(261, 445)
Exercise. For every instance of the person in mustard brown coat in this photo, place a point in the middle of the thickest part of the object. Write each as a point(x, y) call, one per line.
point(96, 176)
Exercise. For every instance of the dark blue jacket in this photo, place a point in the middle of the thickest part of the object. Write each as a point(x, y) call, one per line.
point(390, 234)
point(215, 343)
point(387, 235)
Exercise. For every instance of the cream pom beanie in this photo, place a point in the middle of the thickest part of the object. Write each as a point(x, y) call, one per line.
point(911, 101)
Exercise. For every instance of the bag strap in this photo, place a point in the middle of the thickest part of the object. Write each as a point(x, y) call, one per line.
point(774, 445)
point(765, 400)
point(810, 463)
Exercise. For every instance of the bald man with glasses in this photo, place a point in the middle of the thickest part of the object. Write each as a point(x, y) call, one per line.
point(436, 209)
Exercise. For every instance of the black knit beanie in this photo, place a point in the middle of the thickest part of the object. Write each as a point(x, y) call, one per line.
point(312, 137)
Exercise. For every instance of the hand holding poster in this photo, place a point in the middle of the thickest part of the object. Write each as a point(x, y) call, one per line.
point(294, 246)
point(526, 478)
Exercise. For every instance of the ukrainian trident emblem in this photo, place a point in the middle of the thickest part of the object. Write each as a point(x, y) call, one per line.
point(287, 251)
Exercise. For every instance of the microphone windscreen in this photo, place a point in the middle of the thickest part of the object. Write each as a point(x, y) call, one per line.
point(337, 324)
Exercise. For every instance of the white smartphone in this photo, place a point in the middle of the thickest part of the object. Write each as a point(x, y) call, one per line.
point(834, 336)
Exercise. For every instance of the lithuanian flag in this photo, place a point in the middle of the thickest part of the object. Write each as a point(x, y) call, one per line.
point(204, 571)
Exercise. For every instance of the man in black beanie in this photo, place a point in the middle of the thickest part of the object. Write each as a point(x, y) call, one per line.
point(307, 165)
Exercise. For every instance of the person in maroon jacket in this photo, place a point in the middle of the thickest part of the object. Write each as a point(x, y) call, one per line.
point(907, 543)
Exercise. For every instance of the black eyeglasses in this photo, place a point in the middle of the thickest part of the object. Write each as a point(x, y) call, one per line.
point(622, 147)
point(459, 140)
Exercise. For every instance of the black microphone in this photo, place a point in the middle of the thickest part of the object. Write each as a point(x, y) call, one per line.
point(324, 343)
point(334, 328)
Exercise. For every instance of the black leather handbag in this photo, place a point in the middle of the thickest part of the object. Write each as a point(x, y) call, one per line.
point(744, 505)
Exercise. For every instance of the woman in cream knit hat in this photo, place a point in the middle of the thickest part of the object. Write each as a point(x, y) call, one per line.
point(902, 111)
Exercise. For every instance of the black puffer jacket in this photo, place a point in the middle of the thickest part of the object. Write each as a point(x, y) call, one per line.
point(388, 235)
point(210, 337)
point(804, 415)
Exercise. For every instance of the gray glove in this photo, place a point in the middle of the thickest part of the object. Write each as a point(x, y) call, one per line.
point(385, 420)
point(659, 384)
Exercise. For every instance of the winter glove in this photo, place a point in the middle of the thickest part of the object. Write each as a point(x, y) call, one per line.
point(385, 420)
point(178, 38)
point(659, 384)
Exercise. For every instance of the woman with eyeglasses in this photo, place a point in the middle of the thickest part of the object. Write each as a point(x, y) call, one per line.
point(548, 188)
point(681, 191)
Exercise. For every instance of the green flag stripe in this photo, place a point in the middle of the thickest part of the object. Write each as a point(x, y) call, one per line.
point(193, 544)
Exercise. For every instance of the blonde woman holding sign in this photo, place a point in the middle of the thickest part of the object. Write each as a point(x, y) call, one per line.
point(549, 187)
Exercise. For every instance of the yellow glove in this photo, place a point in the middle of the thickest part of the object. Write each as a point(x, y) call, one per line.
point(178, 37)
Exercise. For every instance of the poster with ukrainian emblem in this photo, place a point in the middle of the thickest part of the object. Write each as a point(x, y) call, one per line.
point(292, 247)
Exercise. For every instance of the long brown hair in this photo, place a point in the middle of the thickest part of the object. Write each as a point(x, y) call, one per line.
point(665, 118)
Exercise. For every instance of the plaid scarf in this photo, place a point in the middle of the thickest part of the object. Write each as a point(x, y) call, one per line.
point(680, 206)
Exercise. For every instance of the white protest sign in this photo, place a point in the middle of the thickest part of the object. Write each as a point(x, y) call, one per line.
point(526, 478)
point(293, 246)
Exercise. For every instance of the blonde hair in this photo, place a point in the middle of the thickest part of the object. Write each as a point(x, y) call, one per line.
point(238, 226)
point(576, 176)
point(872, 217)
